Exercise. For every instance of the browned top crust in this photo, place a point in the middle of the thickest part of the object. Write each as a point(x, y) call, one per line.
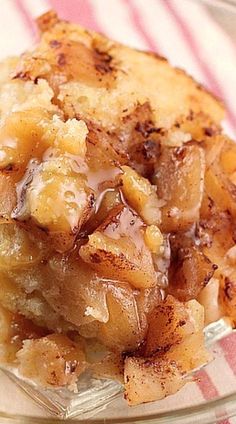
point(103, 81)
point(46, 21)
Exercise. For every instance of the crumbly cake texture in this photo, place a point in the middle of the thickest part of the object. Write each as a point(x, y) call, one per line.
point(117, 211)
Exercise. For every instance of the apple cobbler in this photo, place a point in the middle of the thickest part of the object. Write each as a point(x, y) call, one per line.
point(118, 201)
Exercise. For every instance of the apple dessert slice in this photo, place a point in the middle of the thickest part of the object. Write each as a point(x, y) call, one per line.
point(117, 215)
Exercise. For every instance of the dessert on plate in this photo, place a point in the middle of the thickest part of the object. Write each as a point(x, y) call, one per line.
point(118, 202)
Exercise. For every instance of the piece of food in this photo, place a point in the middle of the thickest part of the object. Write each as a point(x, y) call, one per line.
point(52, 360)
point(118, 246)
point(117, 215)
point(190, 271)
point(180, 183)
point(174, 346)
point(150, 379)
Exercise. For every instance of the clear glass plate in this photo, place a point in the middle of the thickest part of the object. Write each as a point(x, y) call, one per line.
point(100, 401)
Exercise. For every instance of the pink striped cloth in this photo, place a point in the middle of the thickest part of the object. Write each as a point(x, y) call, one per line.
point(186, 33)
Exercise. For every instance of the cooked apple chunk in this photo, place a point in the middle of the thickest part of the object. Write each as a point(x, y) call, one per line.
point(175, 345)
point(27, 134)
point(23, 252)
point(227, 294)
point(73, 279)
point(21, 138)
point(228, 156)
point(151, 379)
point(217, 233)
point(209, 299)
point(154, 239)
point(169, 323)
point(134, 307)
point(127, 332)
point(189, 272)
point(141, 196)
point(221, 189)
point(56, 198)
point(118, 246)
point(7, 195)
point(180, 183)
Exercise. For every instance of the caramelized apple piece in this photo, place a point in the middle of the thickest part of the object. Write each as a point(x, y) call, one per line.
point(124, 334)
point(109, 199)
point(209, 299)
point(220, 189)
point(117, 246)
point(227, 294)
point(220, 176)
point(141, 195)
point(150, 379)
point(101, 152)
point(180, 183)
point(27, 134)
point(7, 195)
point(169, 322)
point(228, 156)
point(58, 203)
point(66, 278)
point(56, 198)
point(7, 349)
point(21, 138)
point(18, 247)
point(191, 353)
point(53, 360)
point(228, 159)
point(147, 300)
point(5, 320)
point(139, 138)
point(189, 273)
point(154, 239)
point(217, 234)
point(177, 330)
point(213, 147)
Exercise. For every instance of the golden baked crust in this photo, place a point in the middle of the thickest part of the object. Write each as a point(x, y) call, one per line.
point(103, 81)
